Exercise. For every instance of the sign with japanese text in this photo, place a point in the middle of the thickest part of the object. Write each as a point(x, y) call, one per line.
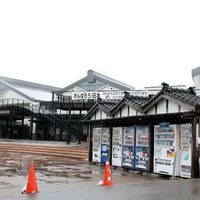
point(109, 94)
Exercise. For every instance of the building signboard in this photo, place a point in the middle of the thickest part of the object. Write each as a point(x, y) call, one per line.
point(110, 94)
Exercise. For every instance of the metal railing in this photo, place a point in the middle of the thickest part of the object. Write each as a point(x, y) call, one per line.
point(36, 109)
point(23, 104)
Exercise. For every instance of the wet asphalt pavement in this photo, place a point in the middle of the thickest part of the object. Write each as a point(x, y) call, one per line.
point(159, 190)
point(61, 178)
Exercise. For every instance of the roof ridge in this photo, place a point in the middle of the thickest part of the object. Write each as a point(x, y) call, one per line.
point(111, 79)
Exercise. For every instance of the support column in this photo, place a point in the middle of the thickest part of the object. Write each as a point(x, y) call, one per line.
point(11, 128)
point(111, 144)
point(68, 135)
point(80, 133)
point(151, 147)
point(34, 131)
point(31, 128)
point(68, 131)
point(60, 134)
point(43, 136)
point(194, 163)
point(54, 133)
point(1, 129)
point(7, 128)
point(22, 130)
point(90, 144)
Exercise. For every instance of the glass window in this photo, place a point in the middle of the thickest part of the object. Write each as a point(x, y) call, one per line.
point(91, 86)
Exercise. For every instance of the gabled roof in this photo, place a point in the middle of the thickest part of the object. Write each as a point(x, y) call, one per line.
point(29, 90)
point(134, 101)
point(92, 76)
point(186, 96)
point(105, 106)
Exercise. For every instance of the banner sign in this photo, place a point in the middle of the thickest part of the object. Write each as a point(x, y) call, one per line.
point(110, 94)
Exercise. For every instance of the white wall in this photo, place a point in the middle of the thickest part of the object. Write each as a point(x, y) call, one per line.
point(172, 107)
point(161, 106)
point(125, 111)
point(98, 114)
point(11, 94)
point(104, 115)
point(132, 112)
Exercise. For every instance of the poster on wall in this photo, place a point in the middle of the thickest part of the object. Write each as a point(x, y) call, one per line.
point(128, 147)
point(186, 138)
point(166, 146)
point(96, 152)
point(142, 147)
point(105, 147)
point(117, 146)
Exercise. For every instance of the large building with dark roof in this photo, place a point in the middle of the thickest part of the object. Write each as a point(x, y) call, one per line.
point(172, 111)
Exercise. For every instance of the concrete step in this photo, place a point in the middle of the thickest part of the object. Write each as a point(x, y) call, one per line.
point(39, 148)
point(68, 151)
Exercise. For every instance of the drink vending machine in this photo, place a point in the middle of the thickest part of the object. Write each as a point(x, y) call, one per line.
point(186, 153)
point(117, 147)
point(96, 149)
point(128, 147)
point(166, 149)
point(105, 145)
point(142, 148)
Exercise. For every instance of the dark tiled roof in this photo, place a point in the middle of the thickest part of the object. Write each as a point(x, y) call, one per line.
point(137, 101)
point(141, 103)
point(107, 105)
point(187, 96)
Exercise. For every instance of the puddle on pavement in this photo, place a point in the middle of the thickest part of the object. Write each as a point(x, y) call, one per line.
point(49, 169)
point(52, 170)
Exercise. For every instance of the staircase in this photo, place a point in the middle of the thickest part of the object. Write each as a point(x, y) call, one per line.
point(30, 109)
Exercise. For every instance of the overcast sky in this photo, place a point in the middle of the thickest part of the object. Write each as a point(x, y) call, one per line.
point(139, 42)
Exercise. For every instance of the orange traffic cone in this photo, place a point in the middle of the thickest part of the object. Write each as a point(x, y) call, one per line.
point(32, 183)
point(107, 180)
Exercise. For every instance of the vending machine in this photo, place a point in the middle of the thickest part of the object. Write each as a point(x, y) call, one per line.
point(186, 138)
point(128, 147)
point(142, 148)
point(96, 149)
point(105, 145)
point(117, 146)
point(166, 149)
